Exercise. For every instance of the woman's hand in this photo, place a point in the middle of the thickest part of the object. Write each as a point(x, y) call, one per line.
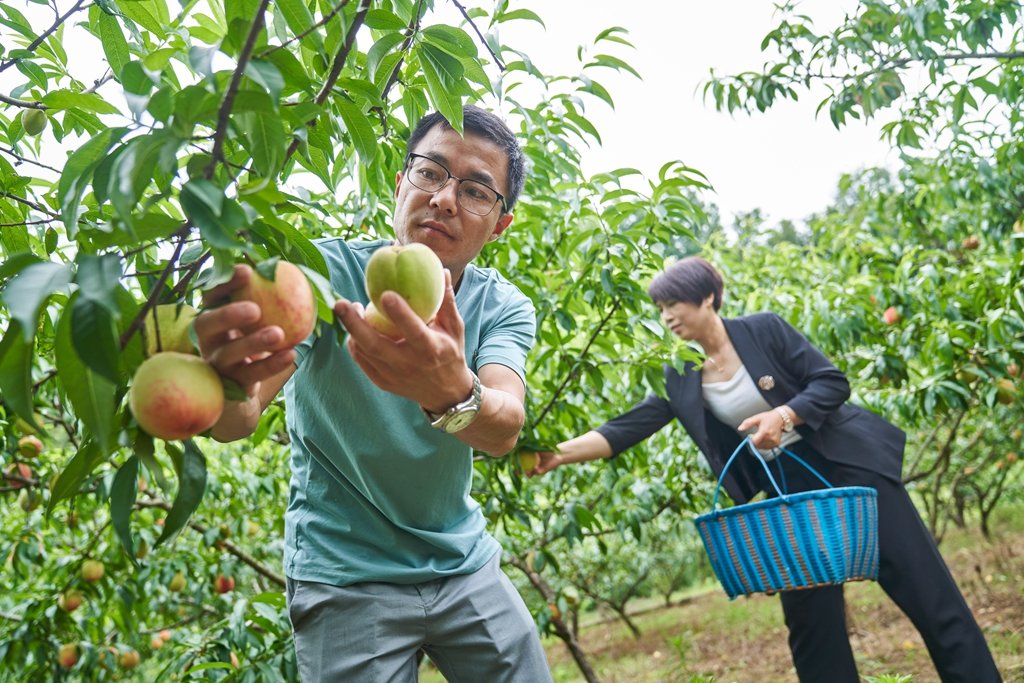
point(546, 461)
point(767, 428)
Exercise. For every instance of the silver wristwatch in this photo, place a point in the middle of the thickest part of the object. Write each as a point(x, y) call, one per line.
point(460, 415)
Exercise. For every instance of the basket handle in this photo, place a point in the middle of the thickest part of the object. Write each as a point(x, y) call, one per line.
point(760, 458)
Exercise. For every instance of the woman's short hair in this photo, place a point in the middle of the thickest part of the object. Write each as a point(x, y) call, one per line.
point(691, 279)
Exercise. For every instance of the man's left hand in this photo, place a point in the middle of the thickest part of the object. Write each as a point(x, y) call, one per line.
point(428, 365)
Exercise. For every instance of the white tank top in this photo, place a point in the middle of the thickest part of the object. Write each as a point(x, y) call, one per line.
point(736, 399)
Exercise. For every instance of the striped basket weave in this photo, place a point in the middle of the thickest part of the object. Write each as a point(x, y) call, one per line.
point(800, 540)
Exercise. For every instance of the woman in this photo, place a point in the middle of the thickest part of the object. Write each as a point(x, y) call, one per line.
point(762, 377)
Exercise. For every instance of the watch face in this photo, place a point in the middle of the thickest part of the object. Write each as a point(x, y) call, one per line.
point(459, 421)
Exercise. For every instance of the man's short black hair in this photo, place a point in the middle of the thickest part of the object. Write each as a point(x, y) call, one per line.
point(691, 279)
point(487, 125)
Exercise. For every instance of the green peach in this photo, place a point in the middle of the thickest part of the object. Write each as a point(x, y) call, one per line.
point(381, 322)
point(173, 323)
point(34, 121)
point(412, 271)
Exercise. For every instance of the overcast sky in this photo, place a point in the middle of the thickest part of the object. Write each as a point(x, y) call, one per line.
point(785, 161)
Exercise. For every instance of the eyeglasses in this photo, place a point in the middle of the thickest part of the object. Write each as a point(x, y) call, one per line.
point(473, 196)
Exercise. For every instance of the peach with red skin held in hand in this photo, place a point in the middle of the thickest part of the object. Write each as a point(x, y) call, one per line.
point(286, 301)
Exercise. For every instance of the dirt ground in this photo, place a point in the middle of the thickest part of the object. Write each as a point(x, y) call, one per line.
point(745, 642)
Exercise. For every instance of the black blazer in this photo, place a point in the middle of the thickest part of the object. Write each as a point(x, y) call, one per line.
point(802, 377)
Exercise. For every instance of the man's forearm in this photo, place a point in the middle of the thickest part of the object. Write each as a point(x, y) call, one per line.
point(496, 429)
point(238, 420)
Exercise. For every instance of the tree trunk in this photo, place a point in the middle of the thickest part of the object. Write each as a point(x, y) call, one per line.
point(575, 650)
point(561, 630)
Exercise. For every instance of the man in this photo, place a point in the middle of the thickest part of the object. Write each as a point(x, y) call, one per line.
point(385, 551)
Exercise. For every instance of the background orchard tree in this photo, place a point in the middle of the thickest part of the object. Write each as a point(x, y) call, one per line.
point(939, 241)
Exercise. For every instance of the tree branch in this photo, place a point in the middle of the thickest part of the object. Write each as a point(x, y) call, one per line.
point(233, 549)
point(590, 342)
point(224, 114)
point(39, 222)
point(410, 32)
point(26, 160)
point(24, 104)
point(951, 56)
point(327, 17)
point(44, 35)
point(154, 296)
point(497, 60)
point(336, 67)
point(32, 205)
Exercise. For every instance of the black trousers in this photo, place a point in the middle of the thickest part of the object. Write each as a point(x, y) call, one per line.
point(911, 572)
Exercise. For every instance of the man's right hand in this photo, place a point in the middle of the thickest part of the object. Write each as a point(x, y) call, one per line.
point(244, 358)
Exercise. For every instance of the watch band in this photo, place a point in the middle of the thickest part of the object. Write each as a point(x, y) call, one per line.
point(787, 421)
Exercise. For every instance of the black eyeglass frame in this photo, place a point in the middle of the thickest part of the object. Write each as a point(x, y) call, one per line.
point(501, 197)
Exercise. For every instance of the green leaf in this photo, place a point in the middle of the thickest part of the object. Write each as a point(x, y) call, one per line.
point(444, 83)
point(143, 449)
point(17, 262)
point(383, 20)
point(360, 129)
point(267, 75)
point(380, 49)
point(265, 141)
point(115, 47)
point(74, 180)
point(25, 294)
point(91, 395)
point(98, 277)
point(123, 492)
point(613, 63)
point(150, 14)
point(364, 90)
point(217, 217)
point(16, 373)
point(299, 19)
point(296, 79)
point(70, 480)
point(191, 487)
point(94, 336)
point(519, 14)
point(452, 40)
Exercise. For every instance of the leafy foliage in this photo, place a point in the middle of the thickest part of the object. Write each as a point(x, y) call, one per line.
point(223, 132)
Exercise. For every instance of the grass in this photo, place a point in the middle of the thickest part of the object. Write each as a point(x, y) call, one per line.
point(704, 637)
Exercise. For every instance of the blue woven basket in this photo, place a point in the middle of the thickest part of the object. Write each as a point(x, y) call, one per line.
point(799, 540)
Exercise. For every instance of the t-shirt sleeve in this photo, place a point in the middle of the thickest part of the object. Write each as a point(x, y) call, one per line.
point(510, 339)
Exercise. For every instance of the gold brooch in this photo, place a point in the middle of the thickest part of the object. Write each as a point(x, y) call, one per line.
point(767, 383)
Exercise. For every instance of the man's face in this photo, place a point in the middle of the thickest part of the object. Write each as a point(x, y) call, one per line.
point(436, 219)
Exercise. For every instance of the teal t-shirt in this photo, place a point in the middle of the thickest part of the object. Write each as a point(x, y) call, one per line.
point(376, 493)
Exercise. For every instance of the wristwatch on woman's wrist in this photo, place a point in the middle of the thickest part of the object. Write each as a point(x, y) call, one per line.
point(460, 415)
point(787, 421)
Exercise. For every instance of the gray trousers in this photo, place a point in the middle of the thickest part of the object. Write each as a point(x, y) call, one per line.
point(474, 627)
